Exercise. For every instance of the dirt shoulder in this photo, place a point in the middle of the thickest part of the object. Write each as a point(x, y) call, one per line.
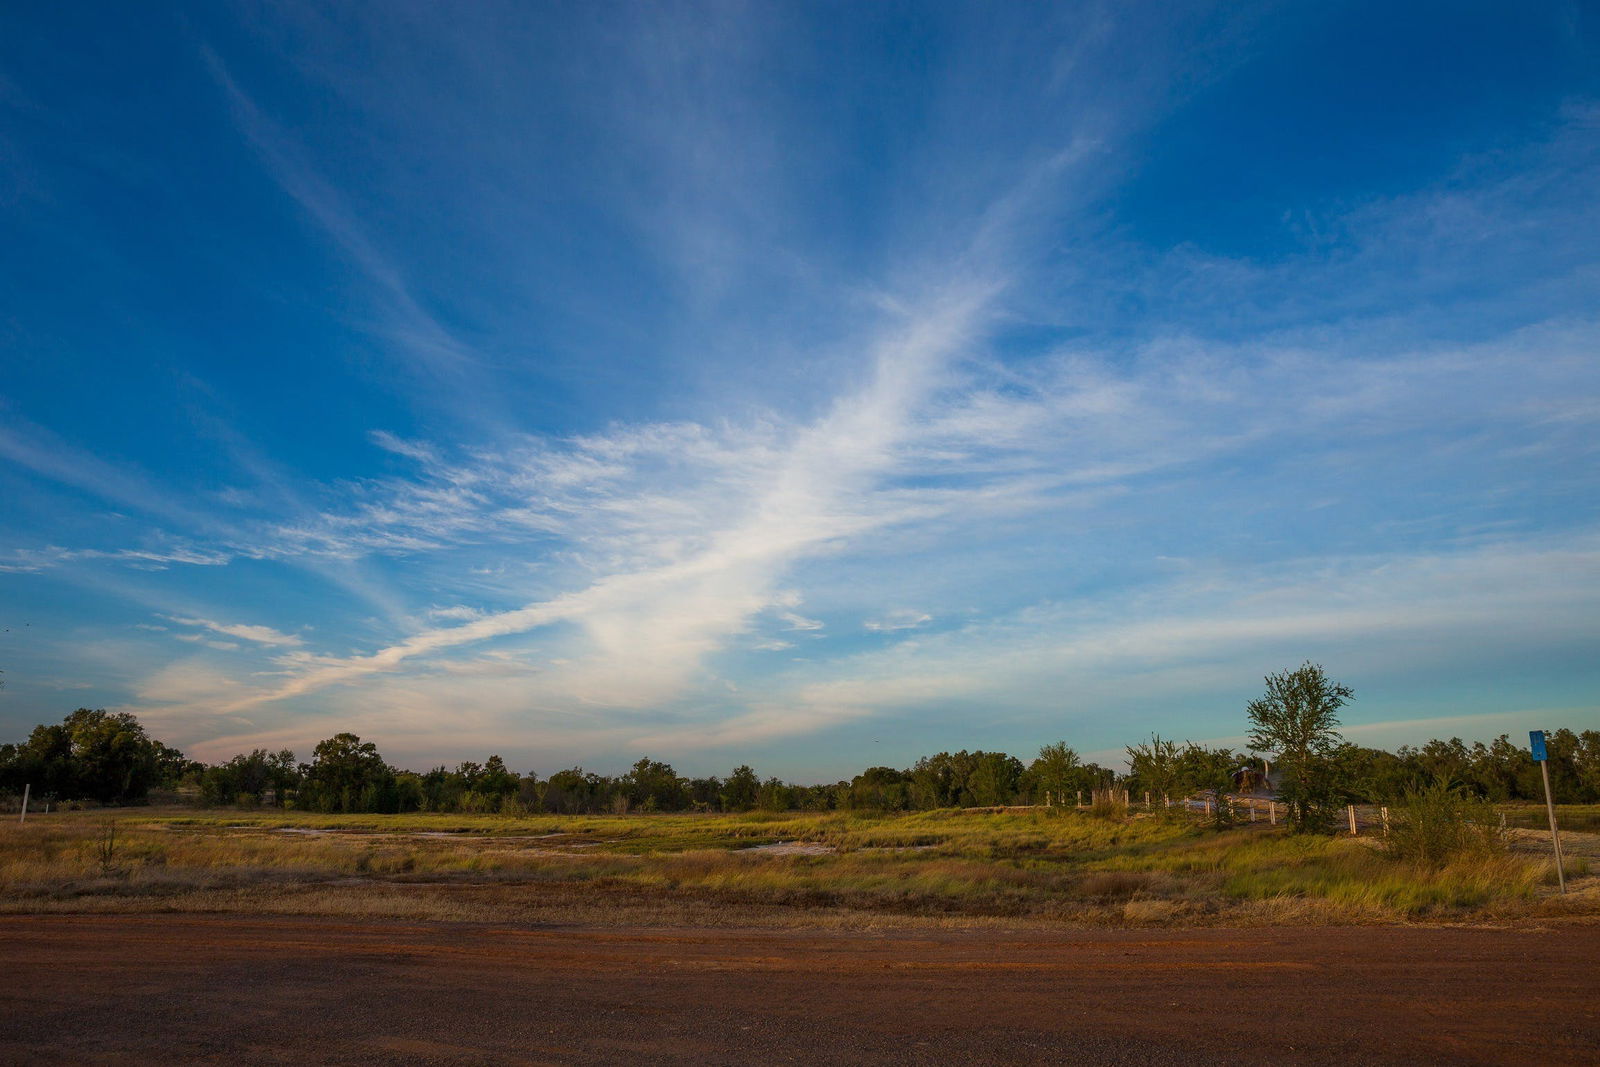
point(222, 989)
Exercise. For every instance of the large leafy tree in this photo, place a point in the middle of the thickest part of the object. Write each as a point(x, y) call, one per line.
point(880, 789)
point(934, 782)
point(742, 789)
point(994, 779)
point(91, 754)
point(655, 786)
point(114, 758)
point(1297, 719)
point(347, 774)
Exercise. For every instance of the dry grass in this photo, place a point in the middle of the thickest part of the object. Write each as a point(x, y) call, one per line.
point(1022, 866)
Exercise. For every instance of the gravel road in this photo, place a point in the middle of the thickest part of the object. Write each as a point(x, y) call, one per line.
point(251, 990)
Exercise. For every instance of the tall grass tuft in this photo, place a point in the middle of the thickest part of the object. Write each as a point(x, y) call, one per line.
point(1108, 804)
point(106, 850)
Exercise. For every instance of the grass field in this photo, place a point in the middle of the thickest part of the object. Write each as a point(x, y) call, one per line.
point(1020, 866)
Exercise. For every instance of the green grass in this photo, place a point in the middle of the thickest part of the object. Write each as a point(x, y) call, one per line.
point(1019, 865)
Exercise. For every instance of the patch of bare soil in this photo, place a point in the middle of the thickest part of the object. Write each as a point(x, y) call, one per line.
point(1573, 843)
point(791, 848)
point(233, 990)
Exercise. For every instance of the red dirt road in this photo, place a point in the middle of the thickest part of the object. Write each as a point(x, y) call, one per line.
point(227, 990)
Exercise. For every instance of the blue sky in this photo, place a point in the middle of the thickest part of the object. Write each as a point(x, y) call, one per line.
point(812, 385)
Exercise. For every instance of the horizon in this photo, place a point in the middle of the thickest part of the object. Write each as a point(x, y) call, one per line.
point(1117, 760)
point(794, 385)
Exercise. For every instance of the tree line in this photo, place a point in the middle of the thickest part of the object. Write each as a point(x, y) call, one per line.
point(108, 758)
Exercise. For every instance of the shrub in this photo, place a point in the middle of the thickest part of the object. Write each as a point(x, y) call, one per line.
point(1436, 823)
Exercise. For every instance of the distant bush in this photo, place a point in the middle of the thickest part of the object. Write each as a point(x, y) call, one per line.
point(1437, 823)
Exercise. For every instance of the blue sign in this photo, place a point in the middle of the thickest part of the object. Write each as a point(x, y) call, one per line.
point(1536, 742)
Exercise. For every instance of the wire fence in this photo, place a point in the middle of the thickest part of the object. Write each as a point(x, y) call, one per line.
point(1354, 819)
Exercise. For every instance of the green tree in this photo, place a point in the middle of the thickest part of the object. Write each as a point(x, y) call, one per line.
point(1444, 761)
point(1058, 771)
point(655, 786)
point(1586, 765)
point(496, 780)
point(879, 788)
point(249, 778)
point(740, 791)
point(1371, 775)
point(994, 779)
point(173, 767)
point(775, 796)
point(113, 758)
point(1155, 767)
point(1297, 720)
point(571, 791)
point(1209, 772)
point(45, 760)
point(347, 774)
point(933, 782)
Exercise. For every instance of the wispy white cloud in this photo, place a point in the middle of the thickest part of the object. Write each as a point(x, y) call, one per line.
point(26, 560)
point(898, 619)
point(456, 612)
point(261, 635)
point(202, 639)
point(710, 562)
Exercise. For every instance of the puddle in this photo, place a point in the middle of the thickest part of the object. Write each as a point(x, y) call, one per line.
point(897, 848)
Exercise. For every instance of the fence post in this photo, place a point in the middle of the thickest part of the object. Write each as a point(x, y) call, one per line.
point(1252, 811)
point(1147, 804)
point(1272, 812)
point(1383, 813)
point(1351, 808)
point(26, 786)
point(1080, 798)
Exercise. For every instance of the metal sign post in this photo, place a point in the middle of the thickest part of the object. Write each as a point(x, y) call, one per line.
point(1536, 744)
